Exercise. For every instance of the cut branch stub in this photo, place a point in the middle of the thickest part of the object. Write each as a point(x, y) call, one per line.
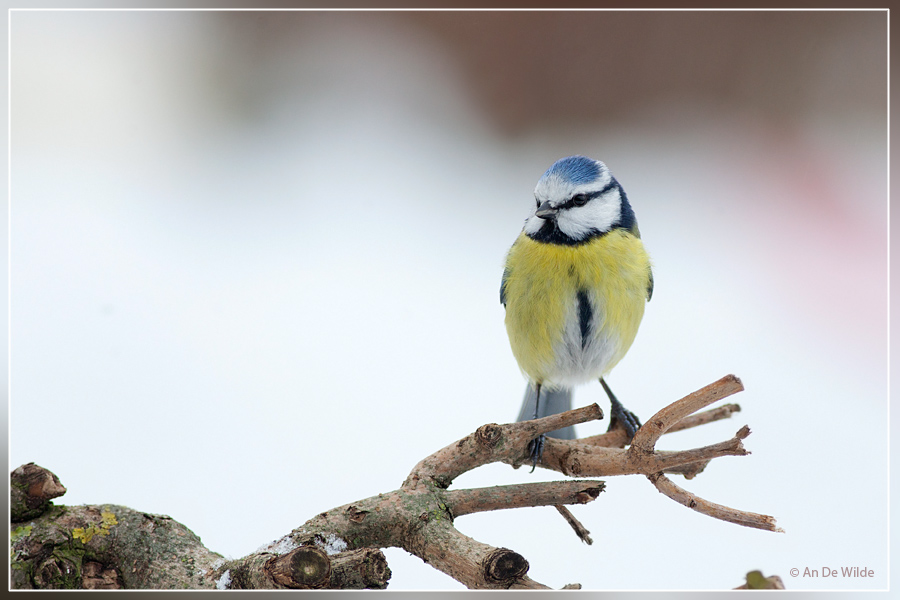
point(487, 436)
point(357, 569)
point(94, 576)
point(306, 567)
point(31, 489)
point(503, 566)
point(356, 515)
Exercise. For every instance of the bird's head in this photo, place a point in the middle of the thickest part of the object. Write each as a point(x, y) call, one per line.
point(578, 199)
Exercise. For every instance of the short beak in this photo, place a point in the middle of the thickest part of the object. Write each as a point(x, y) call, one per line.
point(545, 211)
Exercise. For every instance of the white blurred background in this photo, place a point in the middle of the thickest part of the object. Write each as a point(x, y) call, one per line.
point(255, 265)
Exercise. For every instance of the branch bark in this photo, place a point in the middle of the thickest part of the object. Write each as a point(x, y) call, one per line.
point(114, 546)
point(465, 502)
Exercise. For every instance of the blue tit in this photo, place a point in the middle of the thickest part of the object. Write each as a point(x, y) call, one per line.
point(574, 286)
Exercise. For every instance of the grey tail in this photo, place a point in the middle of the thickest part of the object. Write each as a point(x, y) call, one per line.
point(552, 402)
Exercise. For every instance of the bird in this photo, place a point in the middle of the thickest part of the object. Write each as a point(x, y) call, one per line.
point(575, 284)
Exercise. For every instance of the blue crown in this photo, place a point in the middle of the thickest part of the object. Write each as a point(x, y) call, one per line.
point(574, 169)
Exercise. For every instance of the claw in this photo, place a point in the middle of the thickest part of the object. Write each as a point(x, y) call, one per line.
point(620, 414)
point(535, 450)
point(629, 420)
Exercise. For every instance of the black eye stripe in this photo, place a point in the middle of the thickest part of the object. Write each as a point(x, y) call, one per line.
point(571, 202)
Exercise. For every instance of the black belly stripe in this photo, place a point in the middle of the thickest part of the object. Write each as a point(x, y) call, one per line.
point(585, 314)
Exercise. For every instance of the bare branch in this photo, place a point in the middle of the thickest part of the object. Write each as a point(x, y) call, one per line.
point(707, 416)
point(474, 564)
point(711, 509)
point(618, 438)
point(646, 437)
point(579, 529)
point(465, 502)
point(582, 460)
point(339, 547)
point(491, 443)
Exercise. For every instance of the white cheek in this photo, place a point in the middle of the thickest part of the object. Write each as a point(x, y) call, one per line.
point(533, 224)
point(598, 214)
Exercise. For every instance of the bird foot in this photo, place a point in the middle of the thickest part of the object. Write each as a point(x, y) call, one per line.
point(536, 450)
point(630, 421)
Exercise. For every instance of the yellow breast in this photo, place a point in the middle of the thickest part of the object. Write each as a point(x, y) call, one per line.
point(540, 287)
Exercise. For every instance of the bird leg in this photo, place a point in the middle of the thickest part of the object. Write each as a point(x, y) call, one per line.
point(536, 446)
point(620, 414)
